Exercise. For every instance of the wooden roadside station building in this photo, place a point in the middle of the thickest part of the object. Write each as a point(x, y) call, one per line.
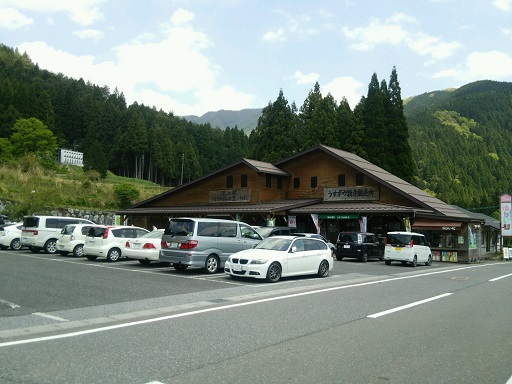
point(322, 190)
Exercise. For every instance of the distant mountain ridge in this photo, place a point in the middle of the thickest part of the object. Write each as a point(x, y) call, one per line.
point(245, 119)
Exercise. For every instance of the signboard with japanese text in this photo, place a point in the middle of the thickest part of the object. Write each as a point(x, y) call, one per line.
point(506, 211)
point(230, 196)
point(351, 193)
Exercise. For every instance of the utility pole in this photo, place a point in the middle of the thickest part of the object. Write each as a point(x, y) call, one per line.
point(182, 161)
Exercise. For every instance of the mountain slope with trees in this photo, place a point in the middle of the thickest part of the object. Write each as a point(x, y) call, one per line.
point(456, 144)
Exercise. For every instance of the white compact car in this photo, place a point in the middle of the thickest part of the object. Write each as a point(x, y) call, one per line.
point(10, 236)
point(407, 247)
point(109, 241)
point(281, 256)
point(72, 239)
point(145, 248)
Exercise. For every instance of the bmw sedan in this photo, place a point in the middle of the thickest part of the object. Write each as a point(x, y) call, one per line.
point(281, 256)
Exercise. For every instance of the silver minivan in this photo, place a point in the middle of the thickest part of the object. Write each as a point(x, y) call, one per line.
point(407, 247)
point(204, 242)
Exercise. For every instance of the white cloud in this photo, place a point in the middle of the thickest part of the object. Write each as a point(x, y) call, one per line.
point(92, 34)
point(504, 5)
point(489, 65)
point(492, 65)
point(302, 78)
point(11, 18)
point(392, 31)
point(155, 73)
point(83, 12)
point(344, 87)
point(181, 17)
point(274, 36)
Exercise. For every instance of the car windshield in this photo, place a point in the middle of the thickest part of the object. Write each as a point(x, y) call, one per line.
point(274, 244)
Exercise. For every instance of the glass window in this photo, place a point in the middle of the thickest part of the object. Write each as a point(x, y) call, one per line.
point(314, 181)
point(341, 180)
point(296, 182)
point(229, 181)
point(279, 182)
point(268, 181)
point(359, 178)
point(243, 180)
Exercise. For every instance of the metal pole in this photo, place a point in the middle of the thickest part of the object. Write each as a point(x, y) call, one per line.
point(182, 160)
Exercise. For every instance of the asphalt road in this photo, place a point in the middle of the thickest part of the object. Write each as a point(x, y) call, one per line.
point(68, 320)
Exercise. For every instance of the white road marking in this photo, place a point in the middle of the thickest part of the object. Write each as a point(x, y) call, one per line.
point(49, 316)
point(375, 315)
point(12, 305)
point(501, 277)
point(229, 306)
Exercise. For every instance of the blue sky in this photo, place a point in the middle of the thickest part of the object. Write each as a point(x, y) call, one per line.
point(193, 56)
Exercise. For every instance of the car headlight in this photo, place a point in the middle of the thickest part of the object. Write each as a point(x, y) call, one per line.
point(259, 261)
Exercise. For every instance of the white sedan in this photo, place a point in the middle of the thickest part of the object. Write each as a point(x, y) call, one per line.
point(281, 256)
point(144, 248)
point(10, 235)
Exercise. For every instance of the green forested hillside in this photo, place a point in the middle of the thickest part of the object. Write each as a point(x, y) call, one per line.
point(462, 143)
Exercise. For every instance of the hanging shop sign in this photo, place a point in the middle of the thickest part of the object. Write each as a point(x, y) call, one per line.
point(230, 196)
point(351, 193)
point(506, 215)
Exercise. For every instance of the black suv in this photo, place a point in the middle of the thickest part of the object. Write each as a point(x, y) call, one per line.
point(275, 231)
point(359, 245)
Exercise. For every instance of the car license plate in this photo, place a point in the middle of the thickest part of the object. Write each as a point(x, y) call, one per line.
point(398, 248)
point(173, 245)
point(346, 246)
point(90, 242)
point(237, 267)
point(136, 245)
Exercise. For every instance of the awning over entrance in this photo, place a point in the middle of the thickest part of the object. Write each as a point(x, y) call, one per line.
point(436, 225)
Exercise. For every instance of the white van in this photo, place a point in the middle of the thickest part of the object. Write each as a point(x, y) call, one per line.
point(407, 247)
point(205, 243)
point(41, 232)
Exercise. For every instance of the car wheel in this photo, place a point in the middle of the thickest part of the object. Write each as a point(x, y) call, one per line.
point(388, 262)
point(114, 254)
point(429, 262)
point(211, 265)
point(78, 251)
point(63, 253)
point(323, 269)
point(414, 261)
point(274, 273)
point(364, 257)
point(91, 257)
point(180, 267)
point(15, 245)
point(145, 262)
point(50, 246)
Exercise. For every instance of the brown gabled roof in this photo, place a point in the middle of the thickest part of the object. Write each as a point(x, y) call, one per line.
point(258, 166)
point(391, 181)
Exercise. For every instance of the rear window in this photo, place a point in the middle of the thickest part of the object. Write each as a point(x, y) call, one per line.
point(398, 239)
point(182, 227)
point(31, 222)
point(68, 230)
point(96, 232)
point(347, 237)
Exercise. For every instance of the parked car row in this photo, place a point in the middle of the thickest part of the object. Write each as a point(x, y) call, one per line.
point(406, 247)
point(212, 244)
